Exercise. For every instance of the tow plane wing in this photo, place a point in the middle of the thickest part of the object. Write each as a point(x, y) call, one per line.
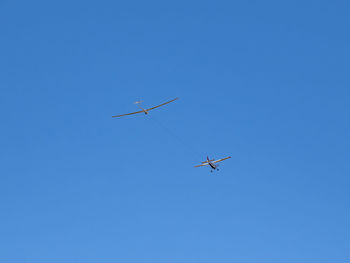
point(203, 164)
point(212, 161)
point(223, 159)
point(209, 161)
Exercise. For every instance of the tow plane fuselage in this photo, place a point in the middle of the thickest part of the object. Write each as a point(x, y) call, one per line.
point(213, 166)
point(212, 163)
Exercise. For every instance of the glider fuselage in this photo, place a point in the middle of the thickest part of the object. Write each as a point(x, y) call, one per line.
point(144, 110)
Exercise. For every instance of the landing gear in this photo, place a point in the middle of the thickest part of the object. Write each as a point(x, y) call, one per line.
point(211, 171)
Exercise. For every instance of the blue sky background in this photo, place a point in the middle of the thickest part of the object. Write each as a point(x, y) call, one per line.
point(266, 82)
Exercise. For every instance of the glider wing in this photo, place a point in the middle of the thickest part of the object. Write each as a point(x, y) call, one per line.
point(127, 114)
point(162, 104)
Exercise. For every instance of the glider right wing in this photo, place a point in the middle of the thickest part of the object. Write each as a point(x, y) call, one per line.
point(162, 104)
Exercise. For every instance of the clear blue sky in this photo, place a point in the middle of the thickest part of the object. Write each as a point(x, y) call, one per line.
point(266, 82)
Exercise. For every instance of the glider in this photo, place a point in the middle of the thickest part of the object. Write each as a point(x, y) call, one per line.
point(145, 111)
point(212, 163)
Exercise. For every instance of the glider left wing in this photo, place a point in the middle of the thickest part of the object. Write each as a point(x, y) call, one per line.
point(127, 114)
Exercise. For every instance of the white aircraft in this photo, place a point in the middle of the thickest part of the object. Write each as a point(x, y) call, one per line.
point(212, 163)
point(145, 111)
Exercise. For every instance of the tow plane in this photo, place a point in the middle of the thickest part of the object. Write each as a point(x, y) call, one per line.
point(212, 163)
point(143, 110)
